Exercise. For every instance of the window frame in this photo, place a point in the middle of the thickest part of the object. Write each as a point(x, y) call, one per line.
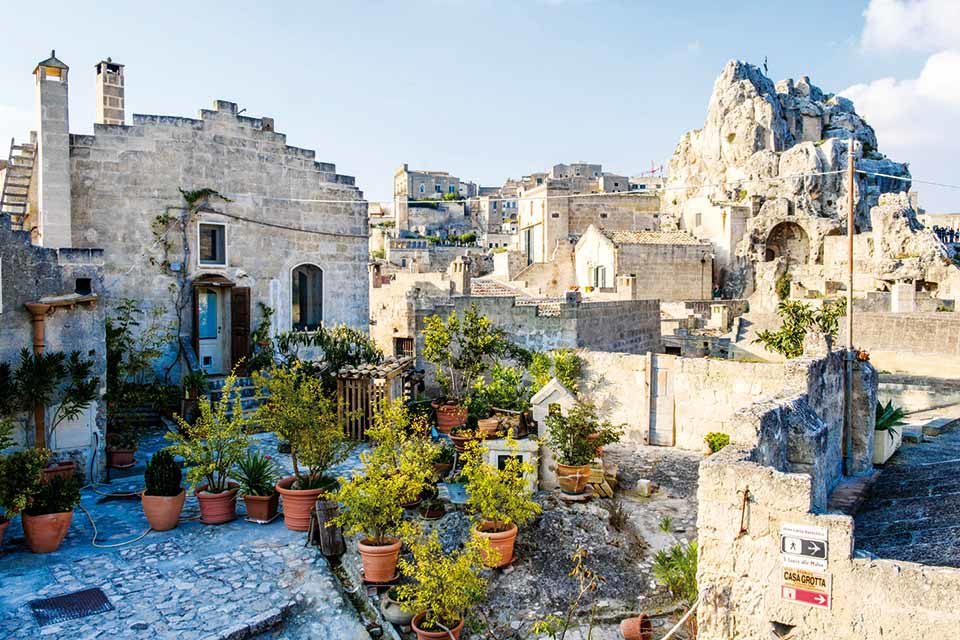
point(323, 294)
point(226, 246)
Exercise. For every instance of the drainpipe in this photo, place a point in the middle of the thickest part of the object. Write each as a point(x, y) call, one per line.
point(849, 354)
point(39, 313)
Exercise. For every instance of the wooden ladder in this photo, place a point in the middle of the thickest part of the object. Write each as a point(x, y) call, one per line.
point(16, 182)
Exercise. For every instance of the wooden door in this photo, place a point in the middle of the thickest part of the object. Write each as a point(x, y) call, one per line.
point(662, 427)
point(239, 326)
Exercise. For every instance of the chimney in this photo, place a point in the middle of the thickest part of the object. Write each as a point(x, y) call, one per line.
point(52, 169)
point(109, 92)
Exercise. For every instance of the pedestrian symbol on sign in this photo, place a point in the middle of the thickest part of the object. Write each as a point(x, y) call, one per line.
point(793, 545)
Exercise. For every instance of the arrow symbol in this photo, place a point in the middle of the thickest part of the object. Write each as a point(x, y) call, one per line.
point(815, 547)
point(820, 599)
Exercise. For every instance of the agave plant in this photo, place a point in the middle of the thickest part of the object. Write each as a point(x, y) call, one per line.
point(888, 417)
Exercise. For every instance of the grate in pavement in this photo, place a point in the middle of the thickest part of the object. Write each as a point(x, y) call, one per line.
point(69, 606)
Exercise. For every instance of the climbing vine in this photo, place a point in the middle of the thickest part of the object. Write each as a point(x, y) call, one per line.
point(175, 221)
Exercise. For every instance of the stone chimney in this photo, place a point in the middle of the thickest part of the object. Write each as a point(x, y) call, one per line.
point(52, 169)
point(109, 92)
point(627, 287)
point(460, 275)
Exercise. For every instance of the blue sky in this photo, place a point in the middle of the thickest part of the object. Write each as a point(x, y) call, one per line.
point(485, 90)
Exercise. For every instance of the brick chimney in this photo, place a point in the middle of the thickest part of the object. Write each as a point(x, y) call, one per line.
point(52, 169)
point(109, 92)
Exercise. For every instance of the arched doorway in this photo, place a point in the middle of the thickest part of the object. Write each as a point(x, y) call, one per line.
point(787, 240)
point(306, 299)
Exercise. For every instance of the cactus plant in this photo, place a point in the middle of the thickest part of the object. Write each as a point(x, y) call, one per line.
point(163, 475)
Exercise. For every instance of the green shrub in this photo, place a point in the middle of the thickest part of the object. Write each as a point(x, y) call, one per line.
point(888, 418)
point(563, 364)
point(58, 495)
point(716, 441)
point(576, 437)
point(163, 476)
point(782, 286)
point(462, 350)
point(257, 474)
point(498, 497)
point(20, 478)
point(676, 569)
point(796, 319)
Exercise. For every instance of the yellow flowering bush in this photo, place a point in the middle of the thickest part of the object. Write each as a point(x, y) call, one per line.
point(498, 497)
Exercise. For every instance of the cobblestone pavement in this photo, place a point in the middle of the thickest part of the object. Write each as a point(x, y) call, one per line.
point(913, 512)
point(232, 581)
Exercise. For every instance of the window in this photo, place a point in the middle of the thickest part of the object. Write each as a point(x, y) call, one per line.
point(213, 244)
point(451, 189)
point(423, 188)
point(698, 220)
point(603, 215)
point(437, 189)
point(599, 277)
point(306, 302)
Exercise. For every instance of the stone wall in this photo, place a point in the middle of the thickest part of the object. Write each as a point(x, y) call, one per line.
point(124, 177)
point(668, 272)
point(28, 274)
point(926, 344)
point(614, 213)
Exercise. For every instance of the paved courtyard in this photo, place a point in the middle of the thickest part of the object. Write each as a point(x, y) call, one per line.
point(197, 581)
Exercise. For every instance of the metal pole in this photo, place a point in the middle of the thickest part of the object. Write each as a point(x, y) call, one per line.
point(848, 400)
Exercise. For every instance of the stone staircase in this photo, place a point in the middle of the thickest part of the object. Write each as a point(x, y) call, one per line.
point(243, 388)
point(16, 182)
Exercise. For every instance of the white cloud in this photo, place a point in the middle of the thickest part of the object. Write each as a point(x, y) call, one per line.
point(15, 122)
point(913, 25)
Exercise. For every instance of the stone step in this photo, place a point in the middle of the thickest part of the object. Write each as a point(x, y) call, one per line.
point(218, 382)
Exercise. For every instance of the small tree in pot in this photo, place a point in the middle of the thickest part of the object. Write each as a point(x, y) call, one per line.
point(500, 499)
point(47, 518)
point(211, 446)
point(297, 410)
point(163, 496)
point(257, 474)
point(20, 478)
point(575, 440)
point(443, 587)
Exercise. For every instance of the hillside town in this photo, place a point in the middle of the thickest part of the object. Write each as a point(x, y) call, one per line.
point(713, 399)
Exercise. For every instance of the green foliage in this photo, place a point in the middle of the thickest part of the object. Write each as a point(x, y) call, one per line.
point(378, 254)
point(163, 476)
point(20, 478)
point(451, 196)
point(588, 582)
point(53, 378)
point(263, 350)
point(498, 497)
point(506, 389)
point(666, 524)
point(563, 364)
point(797, 318)
point(339, 346)
point(467, 238)
point(393, 473)
point(194, 382)
point(214, 442)
point(296, 408)
point(257, 474)
point(576, 437)
point(57, 495)
point(133, 346)
point(444, 586)
point(716, 441)
point(676, 569)
point(888, 418)
point(462, 350)
point(6, 432)
point(782, 286)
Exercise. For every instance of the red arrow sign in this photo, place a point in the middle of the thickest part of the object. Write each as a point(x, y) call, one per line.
point(812, 598)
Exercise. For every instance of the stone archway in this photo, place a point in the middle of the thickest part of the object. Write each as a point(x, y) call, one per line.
point(787, 240)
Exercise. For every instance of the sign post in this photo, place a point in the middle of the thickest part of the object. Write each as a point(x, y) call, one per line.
point(803, 552)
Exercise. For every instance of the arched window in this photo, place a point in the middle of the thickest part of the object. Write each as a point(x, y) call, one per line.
point(306, 302)
point(423, 187)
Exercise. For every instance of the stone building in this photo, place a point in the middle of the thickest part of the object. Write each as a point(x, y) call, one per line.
point(288, 232)
point(669, 265)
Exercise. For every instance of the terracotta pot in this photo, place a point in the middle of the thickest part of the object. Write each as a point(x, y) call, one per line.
point(488, 427)
point(449, 415)
point(461, 438)
point(432, 511)
point(433, 635)
point(392, 610)
point(3, 529)
point(442, 469)
point(297, 504)
point(120, 458)
point(379, 561)
point(45, 533)
point(413, 504)
point(501, 541)
point(573, 479)
point(163, 512)
point(65, 469)
point(638, 628)
point(262, 508)
point(217, 508)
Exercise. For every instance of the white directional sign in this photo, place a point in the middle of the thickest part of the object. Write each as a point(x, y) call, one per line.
point(803, 546)
point(806, 587)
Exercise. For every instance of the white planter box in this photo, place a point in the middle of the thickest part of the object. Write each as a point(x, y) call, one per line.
point(884, 446)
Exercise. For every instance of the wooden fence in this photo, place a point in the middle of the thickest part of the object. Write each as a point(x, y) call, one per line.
point(361, 389)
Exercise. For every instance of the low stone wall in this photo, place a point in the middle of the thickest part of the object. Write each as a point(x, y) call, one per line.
point(918, 393)
point(740, 570)
point(926, 344)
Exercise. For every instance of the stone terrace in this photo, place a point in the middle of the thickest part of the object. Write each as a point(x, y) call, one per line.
point(913, 512)
point(196, 581)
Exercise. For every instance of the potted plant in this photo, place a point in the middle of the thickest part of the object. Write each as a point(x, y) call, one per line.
point(442, 587)
point(461, 351)
point(575, 439)
point(499, 403)
point(121, 447)
point(887, 436)
point(301, 414)
point(257, 474)
point(163, 497)
point(46, 520)
point(461, 435)
point(20, 478)
point(395, 472)
point(500, 499)
point(211, 446)
point(393, 610)
point(444, 461)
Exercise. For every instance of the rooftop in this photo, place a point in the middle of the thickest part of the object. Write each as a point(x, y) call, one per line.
point(651, 237)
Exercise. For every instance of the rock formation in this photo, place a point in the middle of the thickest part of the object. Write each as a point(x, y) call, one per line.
point(732, 182)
